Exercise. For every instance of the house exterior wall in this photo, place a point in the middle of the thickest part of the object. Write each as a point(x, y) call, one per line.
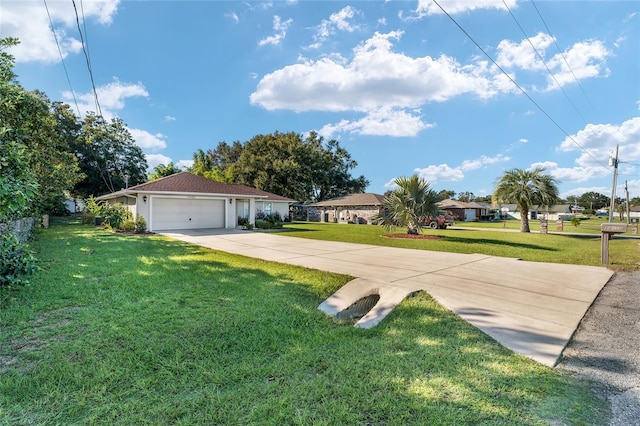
point(344, 214)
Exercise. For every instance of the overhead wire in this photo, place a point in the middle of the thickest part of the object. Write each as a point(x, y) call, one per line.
point(86, 56)
point(85, 48)
point(526, 36)
point(524, 92)
point(564, 58)
point(55, 36)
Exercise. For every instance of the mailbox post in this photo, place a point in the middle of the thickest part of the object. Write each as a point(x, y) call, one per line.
point(607, 230)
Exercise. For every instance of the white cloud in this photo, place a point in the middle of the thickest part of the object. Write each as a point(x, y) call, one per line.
point(154, 160)
point(586, 59)
point(169, 118)
point(441, 172)
point(381, 122)
point(483, 160)
point(280, 31)
point(522, 55)
point(523, 140)
point(428, 7)
point(375, 77)
point(184, 164)
point(233, 16)
point(339, 21)
point(600, 141)
point(28, 21)
point(571, 174)
point(147, 140)
point(111, 97)
point(444, 172)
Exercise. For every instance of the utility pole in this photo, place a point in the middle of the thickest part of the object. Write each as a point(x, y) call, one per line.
point(613, 162)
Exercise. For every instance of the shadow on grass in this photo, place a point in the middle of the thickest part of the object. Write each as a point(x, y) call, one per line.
point(179, 332)
point(497, 242)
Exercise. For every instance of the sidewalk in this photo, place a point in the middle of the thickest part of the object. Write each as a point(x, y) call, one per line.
point(531, 308)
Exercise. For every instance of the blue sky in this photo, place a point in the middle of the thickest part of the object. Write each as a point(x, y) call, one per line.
point(398, 83)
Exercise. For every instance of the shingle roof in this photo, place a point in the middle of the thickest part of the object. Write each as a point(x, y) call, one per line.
point(455, 204)
point(368, 199)
point(190, 183)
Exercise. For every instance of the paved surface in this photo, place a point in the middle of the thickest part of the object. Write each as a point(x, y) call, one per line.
point(531, 308)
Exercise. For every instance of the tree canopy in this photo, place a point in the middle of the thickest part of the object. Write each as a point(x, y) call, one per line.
point(304, 169)
point(593, 200)
point(161, 171)
point(526, 188)
point(108, 156)
point(408, 204)
point(29, 125)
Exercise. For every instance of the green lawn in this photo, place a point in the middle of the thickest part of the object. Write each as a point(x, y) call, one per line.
point(121, 330)
point(624, 254)
point(589, 225)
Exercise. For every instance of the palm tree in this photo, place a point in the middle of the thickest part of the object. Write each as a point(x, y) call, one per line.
point(406, 205)
point(526, 188)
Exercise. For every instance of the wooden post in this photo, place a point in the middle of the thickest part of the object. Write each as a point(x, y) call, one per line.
point(607, 230)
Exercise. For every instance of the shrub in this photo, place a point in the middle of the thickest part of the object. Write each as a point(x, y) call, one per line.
point(114, 215)
point(243, 221)
point(575, 221)
point(263, 224)
point(141, 225)
point(16, 262)
point(127, 225)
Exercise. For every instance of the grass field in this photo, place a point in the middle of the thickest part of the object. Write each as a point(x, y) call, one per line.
point(122, 330)
point(589, 225)
point(624, 254)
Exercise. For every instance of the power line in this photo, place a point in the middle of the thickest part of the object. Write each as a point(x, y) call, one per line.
point(86, 56)
point(543, 61)
point(562, 54)
point(55, 36)
point(524, 92)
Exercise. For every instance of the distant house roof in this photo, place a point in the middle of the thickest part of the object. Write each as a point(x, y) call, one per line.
point(185, 182)
point(368, 199)
point(455, 204)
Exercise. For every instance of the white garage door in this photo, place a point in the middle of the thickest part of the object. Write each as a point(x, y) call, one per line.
point(182, 213)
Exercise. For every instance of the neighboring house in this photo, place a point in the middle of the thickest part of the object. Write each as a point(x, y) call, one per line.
point(465, 211)
point(555, 212)
point(354, 208)
point(187, 201)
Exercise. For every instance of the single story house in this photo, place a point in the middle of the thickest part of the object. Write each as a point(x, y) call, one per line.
point(465, 211)
point(536, 212)
point(186, 201)
point(352, 208)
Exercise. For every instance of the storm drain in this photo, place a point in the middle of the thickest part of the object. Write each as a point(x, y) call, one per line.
point(360, 308)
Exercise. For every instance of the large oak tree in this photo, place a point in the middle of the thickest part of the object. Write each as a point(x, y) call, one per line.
point(301, 168)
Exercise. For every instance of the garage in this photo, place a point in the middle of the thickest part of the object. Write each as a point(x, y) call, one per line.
point(184, 213)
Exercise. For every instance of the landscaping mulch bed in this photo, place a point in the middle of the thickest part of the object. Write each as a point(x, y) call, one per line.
point(414, 237)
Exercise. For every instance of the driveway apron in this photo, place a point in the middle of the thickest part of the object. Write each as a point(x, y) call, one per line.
point(531, 308)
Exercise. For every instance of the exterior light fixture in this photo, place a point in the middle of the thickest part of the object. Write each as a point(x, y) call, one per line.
point(230, 200)
point(144, 198)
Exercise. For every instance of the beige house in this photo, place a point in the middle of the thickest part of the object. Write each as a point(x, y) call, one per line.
point(187, 201)
point(352, 208)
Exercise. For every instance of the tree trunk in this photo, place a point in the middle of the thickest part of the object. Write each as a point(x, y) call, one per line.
point(524, 219)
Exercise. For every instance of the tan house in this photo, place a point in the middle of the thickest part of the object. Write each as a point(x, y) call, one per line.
point(352, 208)
point(187, 201)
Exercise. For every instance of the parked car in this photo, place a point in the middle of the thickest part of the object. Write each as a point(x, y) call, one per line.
point(438, 222)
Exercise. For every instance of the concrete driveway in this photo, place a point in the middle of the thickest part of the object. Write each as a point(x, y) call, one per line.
point(531, 308)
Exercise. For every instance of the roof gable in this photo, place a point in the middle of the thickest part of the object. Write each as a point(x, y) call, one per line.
point(189, 183)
